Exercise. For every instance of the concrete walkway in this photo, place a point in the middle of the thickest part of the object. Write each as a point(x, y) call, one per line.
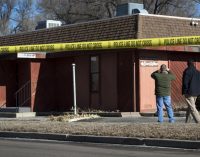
point(140, 119)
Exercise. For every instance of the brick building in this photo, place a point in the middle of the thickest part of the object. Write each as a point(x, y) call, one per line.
point(107, 80)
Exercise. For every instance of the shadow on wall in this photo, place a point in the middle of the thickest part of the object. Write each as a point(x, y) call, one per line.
point(54, 91)
point(8, 82)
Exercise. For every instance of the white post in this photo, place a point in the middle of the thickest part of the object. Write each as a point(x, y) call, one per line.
point(74, 87)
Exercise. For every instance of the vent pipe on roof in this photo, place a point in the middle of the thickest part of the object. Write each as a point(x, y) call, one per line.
point(130, 8)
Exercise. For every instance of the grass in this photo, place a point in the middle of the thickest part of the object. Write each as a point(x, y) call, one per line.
point(69, 117)
point(60, 125)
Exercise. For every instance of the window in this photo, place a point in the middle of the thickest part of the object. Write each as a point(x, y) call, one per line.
point(94, 73)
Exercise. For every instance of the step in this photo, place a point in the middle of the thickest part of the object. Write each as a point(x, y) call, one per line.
point(15, 109)
point(17, 115)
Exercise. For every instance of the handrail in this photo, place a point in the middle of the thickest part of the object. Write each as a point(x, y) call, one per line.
point(3, 104)
point(23, 95)
point(28, 82)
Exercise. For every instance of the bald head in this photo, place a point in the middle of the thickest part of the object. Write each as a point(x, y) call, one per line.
point(163, 67)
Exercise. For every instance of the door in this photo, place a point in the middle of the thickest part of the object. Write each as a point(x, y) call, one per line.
point(125, 82)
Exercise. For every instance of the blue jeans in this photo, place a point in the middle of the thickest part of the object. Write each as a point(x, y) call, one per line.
point(166, 100)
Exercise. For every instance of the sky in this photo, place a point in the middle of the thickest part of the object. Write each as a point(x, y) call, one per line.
point(198, 12)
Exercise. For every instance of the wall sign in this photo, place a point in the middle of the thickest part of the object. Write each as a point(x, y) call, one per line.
point(26, 55)
point(149, 63)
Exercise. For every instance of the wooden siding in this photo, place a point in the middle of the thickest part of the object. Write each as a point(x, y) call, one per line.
point(125, 82)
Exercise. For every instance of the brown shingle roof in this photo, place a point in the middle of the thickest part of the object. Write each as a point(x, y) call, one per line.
point(125, 27)
point(110, 29)
point(154, 26)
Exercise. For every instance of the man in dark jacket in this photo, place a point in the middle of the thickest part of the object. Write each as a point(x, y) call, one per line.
point(191, 89)
point(163, 78)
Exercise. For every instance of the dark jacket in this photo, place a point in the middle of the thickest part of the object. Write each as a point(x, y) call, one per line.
point(163, 83)
point(191, 81)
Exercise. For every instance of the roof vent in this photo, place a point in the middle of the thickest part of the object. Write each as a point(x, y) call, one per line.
point(130, 8)
point(48, 24)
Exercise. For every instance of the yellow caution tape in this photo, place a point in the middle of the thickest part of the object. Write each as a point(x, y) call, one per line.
point(101, 45)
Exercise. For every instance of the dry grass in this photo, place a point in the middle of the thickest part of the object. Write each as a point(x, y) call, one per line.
point(145, 130)
point(68, 117)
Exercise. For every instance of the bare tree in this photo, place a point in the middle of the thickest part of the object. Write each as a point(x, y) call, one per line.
point(71, 11)
point(197, 1)
point(6, 8)
point(56, 9)
point(170, 7)
point(23, 16)
point(102, 9)
point(183, 8)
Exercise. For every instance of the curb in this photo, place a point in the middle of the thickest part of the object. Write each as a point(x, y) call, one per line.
point(32, 135)
point(105, 139)
point(185, 144)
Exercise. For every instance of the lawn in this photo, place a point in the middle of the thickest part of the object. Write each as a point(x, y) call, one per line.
point(182, 131)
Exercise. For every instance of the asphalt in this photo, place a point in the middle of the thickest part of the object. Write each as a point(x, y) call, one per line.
point(146, 142)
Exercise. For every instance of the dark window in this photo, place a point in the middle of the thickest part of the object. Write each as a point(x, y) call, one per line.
point(94, 73)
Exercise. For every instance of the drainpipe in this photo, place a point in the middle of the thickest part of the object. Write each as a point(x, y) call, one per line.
point(74, 86)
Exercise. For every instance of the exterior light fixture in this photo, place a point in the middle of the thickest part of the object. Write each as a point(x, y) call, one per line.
point(193, 22)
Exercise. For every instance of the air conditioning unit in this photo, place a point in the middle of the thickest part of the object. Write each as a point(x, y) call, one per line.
point(48, 24)
point(130, 8)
